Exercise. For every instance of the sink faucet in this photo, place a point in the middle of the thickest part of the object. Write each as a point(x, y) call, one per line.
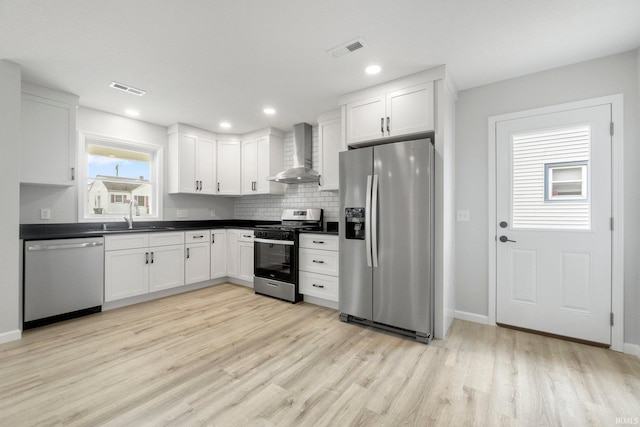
point(132, 204)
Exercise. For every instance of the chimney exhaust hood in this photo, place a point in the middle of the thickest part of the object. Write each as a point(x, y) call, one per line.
point(301, 171)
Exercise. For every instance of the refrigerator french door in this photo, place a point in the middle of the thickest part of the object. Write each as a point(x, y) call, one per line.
point(386, 239)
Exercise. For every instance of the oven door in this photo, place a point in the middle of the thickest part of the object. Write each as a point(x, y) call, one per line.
point(275, 259)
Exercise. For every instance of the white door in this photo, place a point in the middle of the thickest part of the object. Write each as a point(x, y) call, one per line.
point(166, 267)
point(206, 166)
point(554, 223)
point(410, 110)
point(218, 253)
point(365, 119)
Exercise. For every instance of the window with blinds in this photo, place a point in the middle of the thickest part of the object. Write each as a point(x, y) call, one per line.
point(551, 179)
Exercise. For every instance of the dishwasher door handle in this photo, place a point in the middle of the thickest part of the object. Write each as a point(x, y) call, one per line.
point(70, 246)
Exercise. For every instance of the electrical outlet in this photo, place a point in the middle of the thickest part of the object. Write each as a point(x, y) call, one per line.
point(182, 213)
point(45, 213)
point(463, 216)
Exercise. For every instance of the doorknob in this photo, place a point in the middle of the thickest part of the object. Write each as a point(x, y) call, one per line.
point(504, 239)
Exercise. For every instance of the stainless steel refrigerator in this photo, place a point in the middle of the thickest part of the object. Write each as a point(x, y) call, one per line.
point(386, 237)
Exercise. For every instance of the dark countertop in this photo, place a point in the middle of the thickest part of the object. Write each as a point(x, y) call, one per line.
point(93, 229)
point(333, 233)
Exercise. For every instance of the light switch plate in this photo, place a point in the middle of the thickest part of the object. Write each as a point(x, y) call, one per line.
point(463, 216)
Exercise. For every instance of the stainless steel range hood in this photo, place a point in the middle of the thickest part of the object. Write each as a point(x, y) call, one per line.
point(301, 170)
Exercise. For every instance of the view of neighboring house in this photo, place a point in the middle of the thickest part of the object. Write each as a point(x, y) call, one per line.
point(110, 195)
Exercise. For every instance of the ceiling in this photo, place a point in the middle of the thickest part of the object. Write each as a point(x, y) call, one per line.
point(205, 61)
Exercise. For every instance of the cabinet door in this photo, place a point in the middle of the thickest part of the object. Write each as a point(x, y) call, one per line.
point(126, 273)
point(206, 166)
point(245, 261)
point(410, 110)
point(166, 267)
point(197, 260)
point(232, 253)
point(48, 141)
point(218, 253)
point(250, 166)
point(365, 119)
point(330, 138)
point(187, 170)
point(229, 170)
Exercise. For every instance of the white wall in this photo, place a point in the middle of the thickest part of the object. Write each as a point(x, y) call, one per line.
point(63, 201)
point(600, 77)
point(10, 189)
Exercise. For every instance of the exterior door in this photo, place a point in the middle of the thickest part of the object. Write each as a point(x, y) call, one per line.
point(554, 223)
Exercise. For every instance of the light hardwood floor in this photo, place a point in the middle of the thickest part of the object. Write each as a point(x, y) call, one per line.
point(224, 356)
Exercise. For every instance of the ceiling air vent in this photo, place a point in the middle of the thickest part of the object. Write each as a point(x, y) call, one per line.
point(349, 47)
point(128, 89)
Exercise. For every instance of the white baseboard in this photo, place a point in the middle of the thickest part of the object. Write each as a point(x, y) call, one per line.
point(10, 336)
point(471, 317)
point(633, 349)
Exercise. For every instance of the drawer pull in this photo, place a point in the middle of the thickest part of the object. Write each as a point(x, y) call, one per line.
point(317, 286)
point(197, 237)
point(318, 261)
point(275, 285)
point(318, 242)
point(248, 236)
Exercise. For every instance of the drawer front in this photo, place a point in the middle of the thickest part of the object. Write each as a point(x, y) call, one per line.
point(327, 242)
point(322, 262)
point(197, 236)
point(126, 241)
point(164, 239)
point(245, 236)
point(319, 285)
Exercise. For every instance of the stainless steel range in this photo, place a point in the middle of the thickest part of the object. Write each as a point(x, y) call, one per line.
point(276, 253)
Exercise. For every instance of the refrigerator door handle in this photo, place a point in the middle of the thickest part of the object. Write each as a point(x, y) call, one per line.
point(367, 223)
point(374, 221)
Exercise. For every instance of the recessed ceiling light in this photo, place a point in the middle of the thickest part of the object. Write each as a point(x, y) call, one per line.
point(269, 111)
point(372, 69)
point(132, 113)
point(225, 125)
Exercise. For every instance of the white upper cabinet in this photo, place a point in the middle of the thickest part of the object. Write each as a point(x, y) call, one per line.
point(192, 160)
point(330, 144)
point(48, 142)
point(262, 156)
point(229, 170)
point(391, 114)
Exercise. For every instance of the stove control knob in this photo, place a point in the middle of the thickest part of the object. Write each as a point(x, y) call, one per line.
point(284, 235)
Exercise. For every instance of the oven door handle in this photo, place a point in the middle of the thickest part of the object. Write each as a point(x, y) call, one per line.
point(275, 242)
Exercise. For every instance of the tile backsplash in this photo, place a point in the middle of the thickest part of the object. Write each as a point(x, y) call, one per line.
point(269, 207)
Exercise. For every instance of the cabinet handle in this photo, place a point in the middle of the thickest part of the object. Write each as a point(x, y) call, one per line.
point(317, 286)
point(218, 187)
point(388, 124)
point(248, 236)
point(213, 239)
point(318, 261)
point(197, 237)
point(151, 257)
point(197, 186)
point(73, 174)
point(187, 253)
point(146, 257)
point(319, 242)
point(382, 125)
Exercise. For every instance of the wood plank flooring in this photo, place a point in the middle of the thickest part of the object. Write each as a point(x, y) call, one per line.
point(223, 356)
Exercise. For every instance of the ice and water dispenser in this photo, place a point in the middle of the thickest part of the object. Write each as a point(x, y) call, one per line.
point(354, 223)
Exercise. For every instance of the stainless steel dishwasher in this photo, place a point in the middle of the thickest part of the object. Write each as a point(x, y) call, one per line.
point(63, 279)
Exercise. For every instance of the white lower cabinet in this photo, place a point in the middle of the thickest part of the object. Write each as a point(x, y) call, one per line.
point(136, 264)
point(318, 270)
point(218, 253)
point(240, 254)
point(197, 264)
